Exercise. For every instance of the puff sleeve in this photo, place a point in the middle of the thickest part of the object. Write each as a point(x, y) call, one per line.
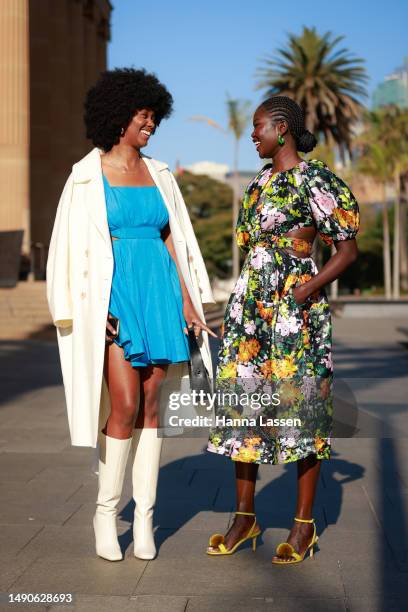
point(333, 206)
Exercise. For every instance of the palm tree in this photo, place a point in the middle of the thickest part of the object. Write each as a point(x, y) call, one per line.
point(325, 81)
point(389, 126)
point(404, 240)
point(375, 160)
point(238, 118)
point(396, 137)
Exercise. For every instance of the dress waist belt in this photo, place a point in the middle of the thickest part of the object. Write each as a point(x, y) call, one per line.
point(269, 240)
point(143, 231)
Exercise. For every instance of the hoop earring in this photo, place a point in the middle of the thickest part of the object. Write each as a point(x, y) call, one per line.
point(281, 140)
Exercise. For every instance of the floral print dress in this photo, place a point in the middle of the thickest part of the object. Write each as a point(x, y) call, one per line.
point(267, 338)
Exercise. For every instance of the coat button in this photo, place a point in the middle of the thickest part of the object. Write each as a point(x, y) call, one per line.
point(83, 295)
point(86, 253)
point(190, 258)
point(85, 273)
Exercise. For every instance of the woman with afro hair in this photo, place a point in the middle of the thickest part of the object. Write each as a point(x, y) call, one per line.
point(125, 279)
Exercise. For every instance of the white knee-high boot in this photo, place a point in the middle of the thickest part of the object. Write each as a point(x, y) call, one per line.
point(112, 464)
point(146, 452)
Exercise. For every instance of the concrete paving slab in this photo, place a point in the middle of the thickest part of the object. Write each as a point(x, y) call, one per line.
point(52, 539)
point(263, 604)
point(240, 575)
point(50, 439)
point(208, 461)
point(144, 603)
point(13, 538)
point(375, 578)
point(22, 607)
point(11, 568)
point(97, 603)
point(342, 544)
point(84, 494)
point(376, 604)
point(157, 603)
point(203, 496)
point(176, 514)
point(38, 513)
point(54, 492)
point(357, 515)
point(60, 573)
point(21, 467)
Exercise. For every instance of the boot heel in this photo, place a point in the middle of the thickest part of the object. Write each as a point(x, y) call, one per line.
point(254, 544)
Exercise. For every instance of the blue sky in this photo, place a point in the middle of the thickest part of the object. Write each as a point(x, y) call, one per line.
point(204, 50)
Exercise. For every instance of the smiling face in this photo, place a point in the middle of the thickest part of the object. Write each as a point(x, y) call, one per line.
point(139, 130)
point(265, 133)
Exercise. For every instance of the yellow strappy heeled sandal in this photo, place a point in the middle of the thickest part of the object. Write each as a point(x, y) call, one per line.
point(217, 539)
point(286, 550)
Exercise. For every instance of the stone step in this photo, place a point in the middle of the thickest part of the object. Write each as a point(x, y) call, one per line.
point(24, 311)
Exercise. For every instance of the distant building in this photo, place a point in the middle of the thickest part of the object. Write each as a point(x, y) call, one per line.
point(221, 172)
point(52, 52)
point(244, 177)
point(209, 168)
point(394, 89)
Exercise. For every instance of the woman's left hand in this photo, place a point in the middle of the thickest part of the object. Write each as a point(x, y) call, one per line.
point(300, 294)
point(193, 320)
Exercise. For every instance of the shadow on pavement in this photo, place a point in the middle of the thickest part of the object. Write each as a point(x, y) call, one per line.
point(275, 502)
point(27, 365)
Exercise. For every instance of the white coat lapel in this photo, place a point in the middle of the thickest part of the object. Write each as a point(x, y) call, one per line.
point(155, 168)
point(89, 170)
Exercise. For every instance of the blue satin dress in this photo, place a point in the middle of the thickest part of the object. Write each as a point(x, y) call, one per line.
point(146, 294)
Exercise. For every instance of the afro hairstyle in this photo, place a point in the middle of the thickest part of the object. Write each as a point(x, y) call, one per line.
point(112, 102)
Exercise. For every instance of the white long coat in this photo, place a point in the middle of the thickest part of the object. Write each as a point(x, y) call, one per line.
point(79, 278)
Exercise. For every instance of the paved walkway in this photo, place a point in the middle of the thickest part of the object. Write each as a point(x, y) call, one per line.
point(47, 498)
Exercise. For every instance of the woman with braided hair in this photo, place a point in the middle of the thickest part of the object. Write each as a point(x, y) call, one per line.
point(277, 327)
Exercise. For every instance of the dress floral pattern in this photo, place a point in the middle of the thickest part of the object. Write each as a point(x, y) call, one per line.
point(267, 337)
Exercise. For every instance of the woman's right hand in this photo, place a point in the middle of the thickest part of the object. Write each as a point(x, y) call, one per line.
point(112, 330)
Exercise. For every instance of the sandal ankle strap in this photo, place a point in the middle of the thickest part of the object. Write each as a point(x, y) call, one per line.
point(246, 513)
point(299, 520)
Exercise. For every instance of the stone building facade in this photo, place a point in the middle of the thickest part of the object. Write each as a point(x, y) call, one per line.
point(51, 51)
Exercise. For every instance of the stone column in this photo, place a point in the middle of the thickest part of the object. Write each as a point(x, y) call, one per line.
point(90, 50)
point(14, 118)
point(78, 144)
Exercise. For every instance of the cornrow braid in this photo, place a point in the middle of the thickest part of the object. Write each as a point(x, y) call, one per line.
point(282, 108)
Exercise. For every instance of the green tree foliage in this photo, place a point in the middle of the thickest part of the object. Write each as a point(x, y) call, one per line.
point(238, 118)
point(383, 154)
point(324, 79)
point(209, 205)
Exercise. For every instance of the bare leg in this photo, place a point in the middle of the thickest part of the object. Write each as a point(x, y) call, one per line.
point(308, 476)
point(123, 382)
point(151, 378)
point(245, 474)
